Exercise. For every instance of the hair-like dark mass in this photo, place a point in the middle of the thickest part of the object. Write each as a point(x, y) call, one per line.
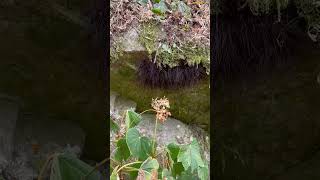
point(164, 77)
point(245, 44)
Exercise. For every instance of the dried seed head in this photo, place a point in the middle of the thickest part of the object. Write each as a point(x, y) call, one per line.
point(161, 106)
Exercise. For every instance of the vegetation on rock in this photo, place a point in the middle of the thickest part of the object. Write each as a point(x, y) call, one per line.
point(171, 31)
point(136, 156)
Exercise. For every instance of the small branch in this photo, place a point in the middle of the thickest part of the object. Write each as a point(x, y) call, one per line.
point(128, 165)
point(147, 111)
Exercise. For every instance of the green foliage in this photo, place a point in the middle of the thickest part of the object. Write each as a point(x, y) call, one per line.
point(140, 147)
point(67, 166)
point(116, 51)
point(148, 36)
point(190, 157)
point(114, 174)
point(185, 160)
point(113, 126)
point(192, 54)
point(132, 119)
point(160, 8)
point(148, 166)
point(122, 152)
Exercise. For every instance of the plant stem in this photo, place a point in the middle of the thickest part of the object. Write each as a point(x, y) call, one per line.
point(155, 138)
point(128, 165)
point(147, 111)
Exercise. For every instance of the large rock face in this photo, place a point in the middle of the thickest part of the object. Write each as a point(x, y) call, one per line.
point(131, 42)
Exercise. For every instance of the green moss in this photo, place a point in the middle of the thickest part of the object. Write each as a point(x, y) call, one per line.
point(148, 37)
point(190, 105)
point(116, 50)
point(192, 54)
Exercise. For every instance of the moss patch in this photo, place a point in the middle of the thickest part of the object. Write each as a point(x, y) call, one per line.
point(190, 105)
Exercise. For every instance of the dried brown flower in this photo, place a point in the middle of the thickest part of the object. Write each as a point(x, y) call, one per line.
point(161, 106)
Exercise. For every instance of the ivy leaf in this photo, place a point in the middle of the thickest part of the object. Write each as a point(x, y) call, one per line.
point(139, 147)
point(203, 172)
point(177, 169)
point(190, 156)
point(114, 174)
point(134, 174)
point(166, 174)
point(148, 168)
point(114, 126)
point(173, 149)
point(122, 152)
point(188, 175)
point(132, 119)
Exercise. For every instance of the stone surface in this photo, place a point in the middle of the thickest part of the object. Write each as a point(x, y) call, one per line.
point(131, 42)
point(121, 105)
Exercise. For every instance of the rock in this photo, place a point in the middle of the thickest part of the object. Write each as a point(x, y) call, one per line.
point(113, 97)
point(121, 105)
point(131, 42)
point(9, 109)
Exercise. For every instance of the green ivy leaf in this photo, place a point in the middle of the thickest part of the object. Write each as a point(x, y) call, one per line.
point(177, 169)
point(166, 174)
point(122, 152)
point(190, 156)
point(188, 175)
point(139, 147)
point(114, 174)
point(203, 172)
point(148, 166)
point(134, 174)
point(114, 126)
point(132, 119)
point(173, 149)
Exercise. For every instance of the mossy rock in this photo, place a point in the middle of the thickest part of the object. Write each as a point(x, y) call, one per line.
point(190, 104)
